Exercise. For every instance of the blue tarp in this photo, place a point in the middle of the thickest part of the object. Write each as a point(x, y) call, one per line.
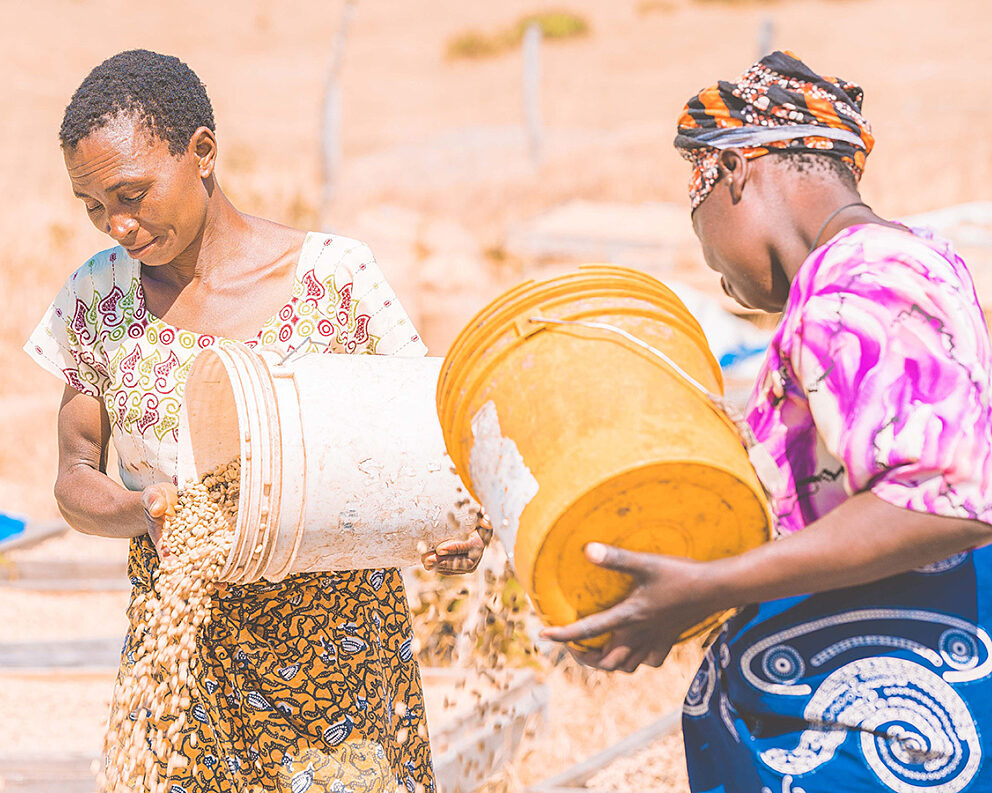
point(738, 345)
point(10, 526)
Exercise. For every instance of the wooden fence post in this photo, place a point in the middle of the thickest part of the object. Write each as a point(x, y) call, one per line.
point(766, 32)
point(330, 129)
point(532, 91)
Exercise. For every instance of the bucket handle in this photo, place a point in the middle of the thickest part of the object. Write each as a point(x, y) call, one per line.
point(761, 460)
point(296, 350)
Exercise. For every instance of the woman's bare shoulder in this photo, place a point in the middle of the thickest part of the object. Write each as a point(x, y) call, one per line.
point(274, 234)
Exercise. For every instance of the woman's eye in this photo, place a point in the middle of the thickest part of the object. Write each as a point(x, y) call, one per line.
point(133, 199)
point(92, 208)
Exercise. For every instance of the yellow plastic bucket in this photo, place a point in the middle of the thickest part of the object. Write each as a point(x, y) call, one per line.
point(598, 429)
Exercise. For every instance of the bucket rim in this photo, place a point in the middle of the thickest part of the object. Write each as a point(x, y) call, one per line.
point(558, 291)
point(269, 425)
point(245, 375)
point(214, 358)
point(587, 283)
point(455, 371)
point(589, 279)
point(465, 375)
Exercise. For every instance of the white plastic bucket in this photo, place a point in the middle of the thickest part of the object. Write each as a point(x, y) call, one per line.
point(343, 464)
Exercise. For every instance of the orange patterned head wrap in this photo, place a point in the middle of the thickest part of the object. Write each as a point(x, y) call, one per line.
point(779, 104)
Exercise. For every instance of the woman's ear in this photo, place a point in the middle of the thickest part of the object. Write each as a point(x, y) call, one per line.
point(203, 148)
point(735, 169)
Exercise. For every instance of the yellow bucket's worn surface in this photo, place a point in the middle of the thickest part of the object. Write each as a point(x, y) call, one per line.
point(568, 434)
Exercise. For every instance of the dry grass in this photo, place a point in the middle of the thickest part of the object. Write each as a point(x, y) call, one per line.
point(554, 25)
point(646, 7)
point(475, 44)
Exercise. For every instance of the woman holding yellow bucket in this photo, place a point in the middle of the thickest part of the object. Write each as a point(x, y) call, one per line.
point(307, 684)
point(865, 661)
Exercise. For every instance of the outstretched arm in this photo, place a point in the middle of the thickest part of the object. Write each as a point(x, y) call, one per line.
point(865, 539)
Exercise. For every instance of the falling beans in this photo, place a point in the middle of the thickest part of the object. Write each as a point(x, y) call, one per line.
point(148, 724)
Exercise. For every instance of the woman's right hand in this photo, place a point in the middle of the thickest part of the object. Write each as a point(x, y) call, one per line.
point(159, 502)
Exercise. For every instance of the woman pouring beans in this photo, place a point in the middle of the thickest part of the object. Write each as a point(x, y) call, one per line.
point(864, 660)
point(312, 679)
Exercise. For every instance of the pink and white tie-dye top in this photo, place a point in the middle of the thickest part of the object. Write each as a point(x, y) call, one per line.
point(877, 379)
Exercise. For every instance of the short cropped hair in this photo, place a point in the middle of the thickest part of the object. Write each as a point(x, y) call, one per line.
point(160, 91)
point(808, 162)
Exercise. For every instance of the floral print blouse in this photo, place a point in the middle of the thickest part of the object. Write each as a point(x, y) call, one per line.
point(100, 338)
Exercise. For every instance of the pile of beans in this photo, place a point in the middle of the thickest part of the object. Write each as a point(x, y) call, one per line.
point(153, 698)
point(658, 766)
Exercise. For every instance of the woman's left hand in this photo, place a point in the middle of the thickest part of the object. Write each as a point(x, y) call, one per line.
point(669, 595)
point(456, 557)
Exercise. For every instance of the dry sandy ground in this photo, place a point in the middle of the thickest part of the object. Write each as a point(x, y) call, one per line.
point(435, 167)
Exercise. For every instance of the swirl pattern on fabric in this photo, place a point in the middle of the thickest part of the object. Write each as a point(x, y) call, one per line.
point(296, 686)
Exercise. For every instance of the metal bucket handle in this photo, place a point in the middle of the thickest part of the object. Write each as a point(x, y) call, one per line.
point(299, 349)
point(761, 460)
